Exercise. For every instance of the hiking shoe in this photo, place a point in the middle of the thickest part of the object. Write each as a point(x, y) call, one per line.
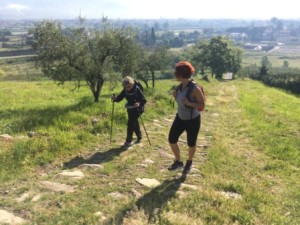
point(176, 165)
point(188, 166)
point(138, 140)
point(127, 144)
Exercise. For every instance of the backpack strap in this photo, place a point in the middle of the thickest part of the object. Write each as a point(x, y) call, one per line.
point(178, 88)
point(191, 86)
point(139, 85)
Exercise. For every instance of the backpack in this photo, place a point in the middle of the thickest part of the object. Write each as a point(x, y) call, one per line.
point(139, 86)
point(191, 86)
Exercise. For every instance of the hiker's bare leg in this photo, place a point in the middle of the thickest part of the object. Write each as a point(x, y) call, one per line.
point(192, 151)
point(176, 151)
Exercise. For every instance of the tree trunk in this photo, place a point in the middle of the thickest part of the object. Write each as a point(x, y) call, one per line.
point(153, 79)
point(96, 88)
point(96, 96)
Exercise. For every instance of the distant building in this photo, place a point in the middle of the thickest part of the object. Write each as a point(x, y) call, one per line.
point(258, 47)
point(227, 76)
point(238, 36)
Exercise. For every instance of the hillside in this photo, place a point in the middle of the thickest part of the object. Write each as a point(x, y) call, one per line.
point(246, 168)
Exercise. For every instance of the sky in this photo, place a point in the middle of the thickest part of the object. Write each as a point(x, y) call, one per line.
point(149, 9)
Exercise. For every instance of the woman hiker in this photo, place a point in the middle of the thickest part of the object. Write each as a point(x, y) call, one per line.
point(135, 107)
point(188, 118)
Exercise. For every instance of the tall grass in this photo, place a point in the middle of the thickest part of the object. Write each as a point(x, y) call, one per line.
point(60, 118)
point(275, 120)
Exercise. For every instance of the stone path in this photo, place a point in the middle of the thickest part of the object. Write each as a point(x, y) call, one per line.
point(8, 218)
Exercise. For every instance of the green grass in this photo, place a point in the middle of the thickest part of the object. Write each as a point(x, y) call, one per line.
point(254, 153)
point(274, 121)
point(60, 117)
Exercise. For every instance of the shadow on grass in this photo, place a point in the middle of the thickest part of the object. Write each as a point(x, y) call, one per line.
point(97, 158)
point(154, 201)
point(29, 119)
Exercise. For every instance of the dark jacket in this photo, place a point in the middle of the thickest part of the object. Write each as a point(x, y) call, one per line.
point(133, 96)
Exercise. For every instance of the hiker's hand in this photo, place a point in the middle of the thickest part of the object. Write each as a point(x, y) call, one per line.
point(185, 101)
point(137, 104)
point(174, 94)
point(113, 98)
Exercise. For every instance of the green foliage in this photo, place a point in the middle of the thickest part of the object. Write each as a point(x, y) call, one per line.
point(249, 71)
point(219, 55)
point(284, 77)
point(265, 66)
point(153, 60)
point(82, 54)
point(285, 64)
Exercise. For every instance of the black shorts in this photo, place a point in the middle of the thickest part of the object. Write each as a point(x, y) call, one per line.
point(191, 127)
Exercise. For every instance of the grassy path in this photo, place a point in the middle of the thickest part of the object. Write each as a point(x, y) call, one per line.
point(237, 177)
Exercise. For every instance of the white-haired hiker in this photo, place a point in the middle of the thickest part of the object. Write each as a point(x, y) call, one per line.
point(135, 107)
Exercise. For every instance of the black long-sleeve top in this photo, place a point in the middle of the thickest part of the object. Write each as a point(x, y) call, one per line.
point(132, 96)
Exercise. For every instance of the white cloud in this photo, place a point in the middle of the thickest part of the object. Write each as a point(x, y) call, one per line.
point(17, 7)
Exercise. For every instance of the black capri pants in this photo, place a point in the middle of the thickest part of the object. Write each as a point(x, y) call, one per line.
point(191, 127)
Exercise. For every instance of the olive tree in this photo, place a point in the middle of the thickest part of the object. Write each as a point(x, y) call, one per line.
point(219, 54)
point(82, 55)
point(200, 57)
point(151, 60)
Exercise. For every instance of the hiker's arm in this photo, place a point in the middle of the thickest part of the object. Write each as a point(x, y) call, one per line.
point(197, 94)
point(120, 96)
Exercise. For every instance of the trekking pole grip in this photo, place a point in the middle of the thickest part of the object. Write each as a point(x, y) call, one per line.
point(113, 97)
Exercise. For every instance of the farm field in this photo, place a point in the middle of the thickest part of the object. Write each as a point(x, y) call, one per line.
point(276, 56)
point(19, 69)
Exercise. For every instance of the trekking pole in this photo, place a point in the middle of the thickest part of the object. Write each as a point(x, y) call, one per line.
point(112, 119)
point(145, 129)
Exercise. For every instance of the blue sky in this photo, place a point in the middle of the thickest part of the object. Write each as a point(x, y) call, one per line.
point(150, 9)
